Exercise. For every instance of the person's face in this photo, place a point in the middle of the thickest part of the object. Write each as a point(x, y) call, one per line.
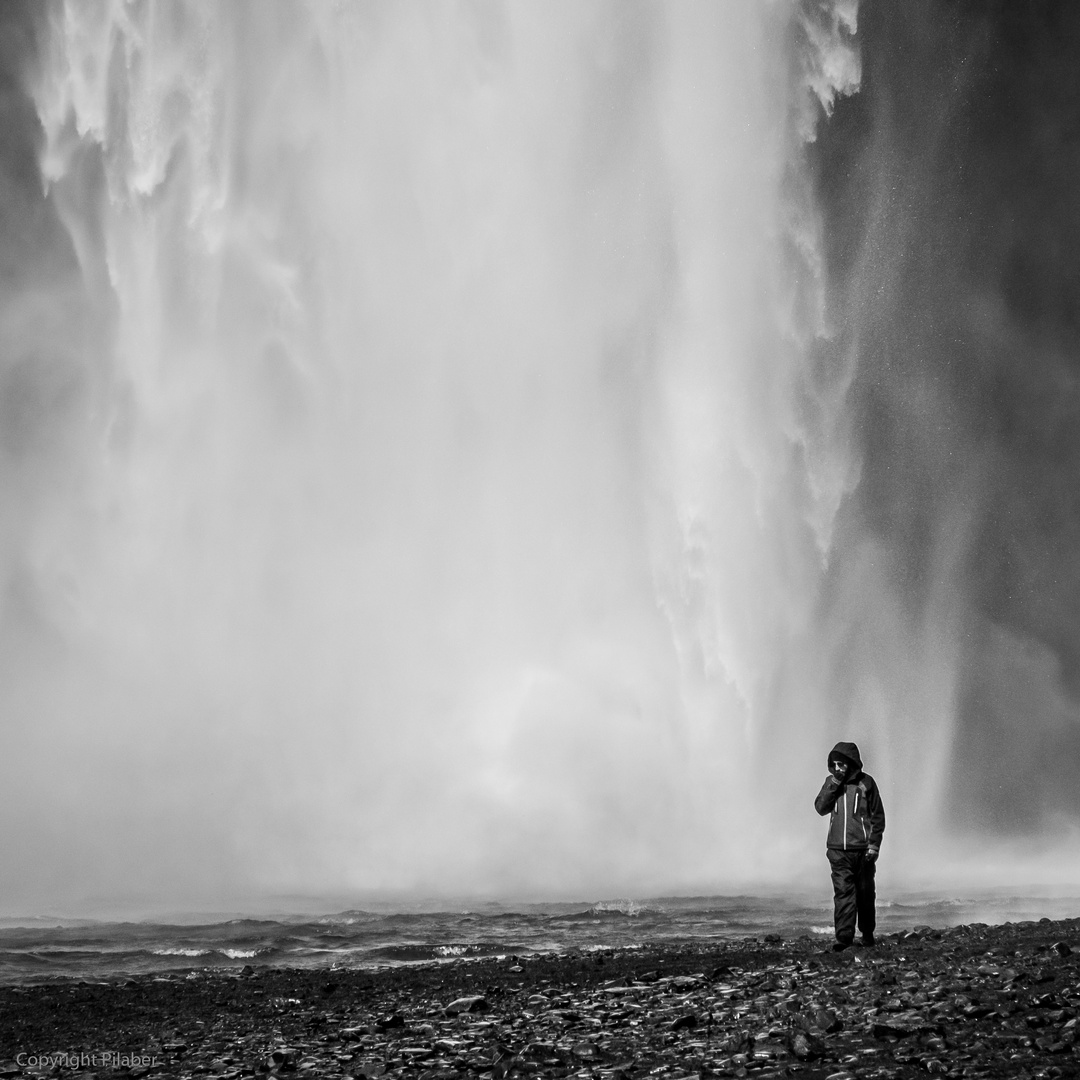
point(839, 769)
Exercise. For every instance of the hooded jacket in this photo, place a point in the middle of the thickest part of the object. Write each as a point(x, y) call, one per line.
point(857, 821)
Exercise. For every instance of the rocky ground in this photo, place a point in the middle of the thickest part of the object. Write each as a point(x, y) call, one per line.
point(973, 1001)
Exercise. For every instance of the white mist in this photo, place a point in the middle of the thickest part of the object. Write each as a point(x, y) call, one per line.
point(444, 496)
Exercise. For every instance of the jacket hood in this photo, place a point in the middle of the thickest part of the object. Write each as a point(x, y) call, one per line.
point(849, 752)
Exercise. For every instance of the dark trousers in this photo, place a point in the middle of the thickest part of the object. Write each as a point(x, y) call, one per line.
point(853, 893)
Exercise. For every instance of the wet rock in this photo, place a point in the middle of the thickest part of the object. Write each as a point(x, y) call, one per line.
point(538, 1050)
point(768, 1051)
point(371, 1071)
point(586, 1051)
point(822, 1019)
point(805, 1046)
point(904, 1024)
point(471, 1004)
point(740, 1042)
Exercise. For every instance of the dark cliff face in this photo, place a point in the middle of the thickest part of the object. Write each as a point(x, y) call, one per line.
point(47, 336)
point(34, 247)
point(952, 217)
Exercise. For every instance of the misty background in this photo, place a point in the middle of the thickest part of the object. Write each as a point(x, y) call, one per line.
point(497, 449)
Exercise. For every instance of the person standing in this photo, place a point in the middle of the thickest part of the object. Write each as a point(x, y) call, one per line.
point(856, 826)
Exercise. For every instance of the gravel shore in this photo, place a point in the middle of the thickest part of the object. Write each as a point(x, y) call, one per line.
point(972, 1001)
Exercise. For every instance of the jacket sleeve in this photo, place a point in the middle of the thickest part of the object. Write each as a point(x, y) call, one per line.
point(876, 811)
point(827, 796)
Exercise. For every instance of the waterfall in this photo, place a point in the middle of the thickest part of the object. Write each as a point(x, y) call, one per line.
point(446, 496)
point(437, 459)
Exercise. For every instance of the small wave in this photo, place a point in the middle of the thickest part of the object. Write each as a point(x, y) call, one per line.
point(31, 958)
point(611, 909)
point(402, 954)
point(927, 904)
point(240, 954)
point(621, 907)
point(411, 953)
point(180, 952)
point(349, 918)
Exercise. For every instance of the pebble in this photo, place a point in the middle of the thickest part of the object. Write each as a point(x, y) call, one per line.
point(475, 1003)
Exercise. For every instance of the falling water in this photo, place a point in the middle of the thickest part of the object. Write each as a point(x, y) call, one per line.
point(427, 445)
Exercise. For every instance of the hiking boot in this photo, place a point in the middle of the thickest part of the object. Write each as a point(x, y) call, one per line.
point(840, 946)
point(868, 941)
